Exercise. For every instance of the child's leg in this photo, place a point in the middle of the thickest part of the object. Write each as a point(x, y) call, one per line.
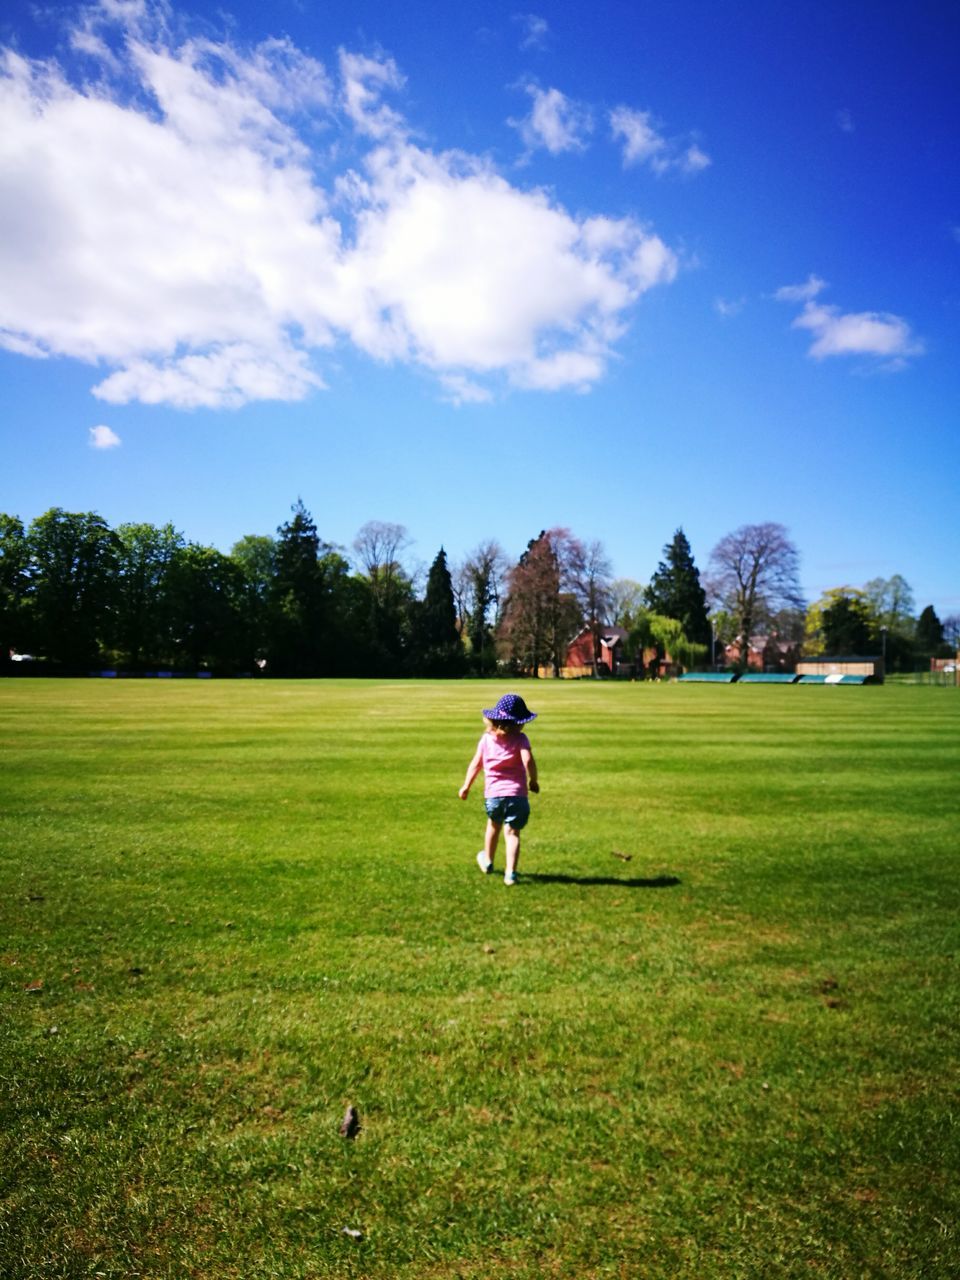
point(512, 842)
point(491, 837)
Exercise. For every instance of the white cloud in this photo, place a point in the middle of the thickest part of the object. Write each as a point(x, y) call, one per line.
point(364, 80)
point(801, 292)
point(535, 30)
point(878, 334)
point(104, 438)
point(169, 226)
point(845, 121)
point(871, 333)
point(643, 143)
point(224, 378)
point(461, 390)
point(694, 160)
point(555, 121)
point(728, 308)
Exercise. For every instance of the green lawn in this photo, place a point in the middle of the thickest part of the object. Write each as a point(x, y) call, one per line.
point(251, 903)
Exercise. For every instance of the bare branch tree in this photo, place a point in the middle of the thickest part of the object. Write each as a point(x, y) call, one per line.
point(753, 574)
point(626, 602)
point(591, 570)
point(379, 546)
point(484, 571)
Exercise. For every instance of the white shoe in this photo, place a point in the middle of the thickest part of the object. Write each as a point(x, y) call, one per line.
point(509, 878)
point(485, 866)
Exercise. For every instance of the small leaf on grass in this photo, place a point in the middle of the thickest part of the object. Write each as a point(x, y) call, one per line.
point(488, 950)
point(735, 1068)
point(624, 857)
point(34, 988)
point(353, 1233)
point(351, 1123)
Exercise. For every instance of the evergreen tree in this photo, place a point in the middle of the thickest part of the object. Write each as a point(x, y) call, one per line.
point(675, 590)
point(929, 632)
point(298, 639)
point(436, 642)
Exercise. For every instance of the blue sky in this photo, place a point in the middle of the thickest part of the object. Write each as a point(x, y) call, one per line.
point(481, 270)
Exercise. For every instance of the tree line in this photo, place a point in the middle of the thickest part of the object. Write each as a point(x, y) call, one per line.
point(78, 595)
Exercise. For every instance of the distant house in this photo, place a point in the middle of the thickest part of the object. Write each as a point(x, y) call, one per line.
point(945, 668)
point(836, 665)
point(764, 653)
point(579, 658)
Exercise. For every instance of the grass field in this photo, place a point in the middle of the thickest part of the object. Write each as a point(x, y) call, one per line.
point(229, 909)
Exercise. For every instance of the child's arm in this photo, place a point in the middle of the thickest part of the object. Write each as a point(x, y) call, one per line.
point(526, 755)
point(473, 768)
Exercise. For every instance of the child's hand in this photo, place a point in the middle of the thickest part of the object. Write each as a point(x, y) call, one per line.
point(463, 792)
point(535, 788)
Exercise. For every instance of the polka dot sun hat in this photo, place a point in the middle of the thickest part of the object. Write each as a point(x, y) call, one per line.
point(510, 707)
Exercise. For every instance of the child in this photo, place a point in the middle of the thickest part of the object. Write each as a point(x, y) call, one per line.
point(507, 762)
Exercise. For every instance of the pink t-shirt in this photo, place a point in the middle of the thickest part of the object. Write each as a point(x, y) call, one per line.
point(503, 770)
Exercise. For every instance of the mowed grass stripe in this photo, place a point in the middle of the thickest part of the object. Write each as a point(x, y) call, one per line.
point(250, 903)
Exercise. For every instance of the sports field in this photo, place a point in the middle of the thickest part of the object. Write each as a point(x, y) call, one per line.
point(230, 909)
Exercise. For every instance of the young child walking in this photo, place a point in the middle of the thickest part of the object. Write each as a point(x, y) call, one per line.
point(509, 770)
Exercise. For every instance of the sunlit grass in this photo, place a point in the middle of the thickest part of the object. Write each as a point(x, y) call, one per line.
point(731, 1051)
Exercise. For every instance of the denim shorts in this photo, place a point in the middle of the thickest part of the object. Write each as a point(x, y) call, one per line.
point(513, 810)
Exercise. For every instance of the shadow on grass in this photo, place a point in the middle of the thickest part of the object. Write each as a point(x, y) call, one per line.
point(656, 882)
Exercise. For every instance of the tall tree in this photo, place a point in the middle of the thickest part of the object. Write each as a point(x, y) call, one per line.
point(626, 602)
point(256, 554)
point(484, 572)
point(73, 570)
point(831, 617)
point(14, 585)
point(675, 590)
point(542, 611)
point(143, 607)
point(590, 570)
point(206, 594)
point(389, 591)
point(929, 632)
point(436, 646)
point(299, 638)
point(846, 628)
point(891, 602)
point(893, 629)
point(753, 574)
